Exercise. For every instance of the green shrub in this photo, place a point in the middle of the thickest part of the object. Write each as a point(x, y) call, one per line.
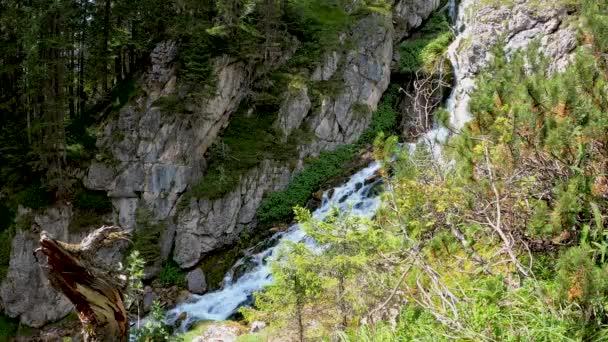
point(422, 52)
point(6, 240)
point(171, 104)
point(8, 327)
point(245, 142)
point(92, 200)
point(277, 207)
point(7, 216)
point(35, 196)
point(147, 235)
point(89, 209)
point(171, 274)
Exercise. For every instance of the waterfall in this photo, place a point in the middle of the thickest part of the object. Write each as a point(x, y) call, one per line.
point(359, 193)
point(457, 103)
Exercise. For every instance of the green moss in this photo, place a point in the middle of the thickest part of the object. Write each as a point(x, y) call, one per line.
point(246, 141)
point(35, 196)
point(6, 240)
point(98, 201)
point(317, 24)
point(171, 104)
point(216, 265)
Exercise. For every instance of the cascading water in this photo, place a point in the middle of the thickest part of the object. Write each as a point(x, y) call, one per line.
point(458, 102)
point(358, 193)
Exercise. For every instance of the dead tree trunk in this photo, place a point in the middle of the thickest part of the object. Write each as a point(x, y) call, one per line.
point(96, 295)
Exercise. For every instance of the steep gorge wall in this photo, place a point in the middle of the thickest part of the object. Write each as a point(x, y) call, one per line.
point(151, 156)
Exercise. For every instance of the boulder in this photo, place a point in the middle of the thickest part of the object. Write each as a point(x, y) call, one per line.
point(149, 297)
point(257, 326)
point(196, 281)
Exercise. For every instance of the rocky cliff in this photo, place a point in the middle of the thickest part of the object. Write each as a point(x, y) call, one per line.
point(153, 153)
point(515, 25)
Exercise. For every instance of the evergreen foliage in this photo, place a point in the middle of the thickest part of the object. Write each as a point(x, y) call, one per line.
point(508, 243)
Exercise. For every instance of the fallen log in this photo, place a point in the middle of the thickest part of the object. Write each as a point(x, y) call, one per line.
point(95, 291)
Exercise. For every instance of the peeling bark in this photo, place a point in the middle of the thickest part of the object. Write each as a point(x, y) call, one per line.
point(95, 292)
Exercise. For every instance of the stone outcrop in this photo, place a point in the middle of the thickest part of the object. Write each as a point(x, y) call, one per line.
point(410, 14)
point(515, 24)
point(363, 74)
point(26, 293)
point(157, 143)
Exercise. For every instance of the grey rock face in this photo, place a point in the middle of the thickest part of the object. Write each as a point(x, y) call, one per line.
point(196, 281)
point(149, 297)
point(207, 225)
point(520, 24)
point(26, 292)
point(294, 109)
point(257, 326)
point(365, 75)
point(410, 14)
point(158, 152)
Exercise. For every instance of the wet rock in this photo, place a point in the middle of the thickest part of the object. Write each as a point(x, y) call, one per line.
point(196, 281)
point(149, 297)
point(373, 178)
point(182, 317)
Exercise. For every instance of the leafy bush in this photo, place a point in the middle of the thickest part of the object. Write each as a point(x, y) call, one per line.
point(6, 240)
point(277, 206)
point(147, 235)
point(245, 142)
point(8, 328)
point(97, 201)
point(171, 274)
point(89, 208)
point(155, 328)
point(35, 196)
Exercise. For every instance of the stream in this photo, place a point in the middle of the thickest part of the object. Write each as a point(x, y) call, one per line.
point(360, 192)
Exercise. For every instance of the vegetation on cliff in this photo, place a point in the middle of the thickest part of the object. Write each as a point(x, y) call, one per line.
point(507, 244)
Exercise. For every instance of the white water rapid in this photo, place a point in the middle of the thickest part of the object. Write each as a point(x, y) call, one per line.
point(359, 191)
